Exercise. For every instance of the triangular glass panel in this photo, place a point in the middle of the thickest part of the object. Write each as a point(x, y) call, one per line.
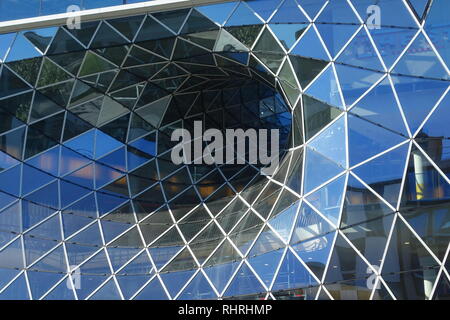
point(242, 16)
point(198, 289)
point(174, 281)
point(355, 81)
point(172, 19)
point(386, 114)
point(282, 223)
point(442, 291)
point(244, 282)
point(421, 61)
point(338, 12)
point(328, 199)
point(152, 291)
point(309, 225)
point(370, 237)
point(292, 274)
point(366, 139)
point(325, 88)
point(345, 263)
point(402, 37)
point(288, 33)
point(318, 169)
point(417, 97)
point(108, 291)
point(63, 42)
point(331, 143)
point(266, 264)
point(22, 49)
point(127, 26)
point(310, 46)
point(384, 174)
point(106, 36)
point(94, 64)
point(17, 290)
point(10, 83)
point(361, 204)
point(336, 36)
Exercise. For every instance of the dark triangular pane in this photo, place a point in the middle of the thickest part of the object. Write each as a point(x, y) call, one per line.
point(442, 291)
point(306, 69)
point(63, 43)
point(18, 105)
point(246, 34)
point(106, 36)
point(69, 61)
point(10, 83)
point(317, 115)
point(127, 26)
point(173, 19)
point(94, 64)
point(406, 251)
point(268, 50)
point(85, 33)
point(51, 73)
point(28, 69)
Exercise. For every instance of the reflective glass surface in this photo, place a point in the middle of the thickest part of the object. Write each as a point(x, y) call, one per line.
point(93, 207)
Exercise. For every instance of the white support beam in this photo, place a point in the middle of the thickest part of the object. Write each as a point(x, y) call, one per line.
point(102, 13)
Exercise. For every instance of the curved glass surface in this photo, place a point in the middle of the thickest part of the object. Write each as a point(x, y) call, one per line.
point(93, 207)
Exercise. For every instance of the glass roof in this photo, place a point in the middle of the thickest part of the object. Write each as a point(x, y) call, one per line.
point(92, 207)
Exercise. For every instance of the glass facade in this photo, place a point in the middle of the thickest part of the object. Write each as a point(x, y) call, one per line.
point(22, 9)
point(92, 207)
